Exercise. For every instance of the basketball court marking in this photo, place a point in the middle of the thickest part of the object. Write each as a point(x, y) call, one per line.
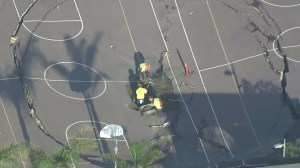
point(175, 80)
point(88, 121)
point(50, 21)
point(234, 79)
point(99, 139)
point(127, 25)
point(9, 124)
point(282, 6)
point(50, 39)
point(10, 127)
point(75, 98)
point(240, 60)
point(202, 80)
point(124, 81)
point(275, 49)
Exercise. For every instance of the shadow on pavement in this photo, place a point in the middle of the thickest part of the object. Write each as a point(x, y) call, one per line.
point(269, 116)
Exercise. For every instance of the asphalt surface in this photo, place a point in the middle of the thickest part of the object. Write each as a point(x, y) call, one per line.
point(234, 112)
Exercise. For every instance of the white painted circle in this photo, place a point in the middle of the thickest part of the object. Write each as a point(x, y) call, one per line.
point(50, 39)
point(275, 50)
point(75, 98)
point(282, 6)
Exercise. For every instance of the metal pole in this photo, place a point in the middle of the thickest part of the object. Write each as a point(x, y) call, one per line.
point(283, 147)
point(116, 149)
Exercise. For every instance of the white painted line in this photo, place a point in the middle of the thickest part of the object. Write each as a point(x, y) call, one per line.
point(202, 81)
point(11, 130)
point(234, 79)
point(218, 66)
point(8, 121)
point(202, 70)
point(50, 21)
point(101, 139)
point(11, 78)
point(75, 98)
point(123, 12)
point(282, 6)
point(88, 121)
point(50, 39)
point(66, 80)
point(175, 80)
point(275, 49)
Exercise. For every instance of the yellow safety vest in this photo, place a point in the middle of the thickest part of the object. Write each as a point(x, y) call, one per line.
point(143, 67)
point(140, 93)
point(157, 104)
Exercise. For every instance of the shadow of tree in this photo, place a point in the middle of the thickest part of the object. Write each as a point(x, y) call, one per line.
point(82, 78)
point(10, 87)
point(265, 109)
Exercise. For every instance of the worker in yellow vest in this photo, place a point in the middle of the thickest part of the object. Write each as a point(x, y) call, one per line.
point(156, 103)
point(144, 70)
point(140, 94)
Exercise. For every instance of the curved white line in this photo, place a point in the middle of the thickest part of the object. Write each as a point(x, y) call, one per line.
point(202, 70)
point(202, 81)
point(50, 21)
point(175, 80)
point(49, 39)
point(275, 50)
point(75, 98)
point(89, 121)
point(282, 6)
point(235, 80)
point(65, 80)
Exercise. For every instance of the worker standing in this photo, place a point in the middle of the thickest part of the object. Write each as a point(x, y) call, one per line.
point(140, 94)
point(144, 70)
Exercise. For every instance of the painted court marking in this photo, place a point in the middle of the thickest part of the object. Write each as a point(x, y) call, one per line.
point(50, 21)
point(124, 81)
point(235, 80)
point(11, 130)
point(9, 124)
point(175, 80)
point(50, 39)
point(88, 121)
point(127, 25)
point(75, 98)
point(282, 6)
point(275, 49)
point(202, 81)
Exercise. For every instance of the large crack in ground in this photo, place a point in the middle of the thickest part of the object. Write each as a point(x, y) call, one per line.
point(281, 73)
point(14, 43)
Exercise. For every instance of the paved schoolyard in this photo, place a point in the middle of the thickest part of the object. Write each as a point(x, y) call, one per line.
point(234, 112)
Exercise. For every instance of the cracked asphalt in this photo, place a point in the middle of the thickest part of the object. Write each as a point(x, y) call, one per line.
point(234, 112)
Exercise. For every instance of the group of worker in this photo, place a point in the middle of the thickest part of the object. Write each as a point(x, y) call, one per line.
point(142, 91)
